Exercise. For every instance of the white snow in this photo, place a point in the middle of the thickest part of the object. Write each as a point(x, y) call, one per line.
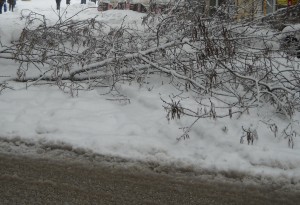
point(294, 29)
point(137, 129)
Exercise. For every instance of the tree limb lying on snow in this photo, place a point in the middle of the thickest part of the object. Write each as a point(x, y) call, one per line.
point(230, 66)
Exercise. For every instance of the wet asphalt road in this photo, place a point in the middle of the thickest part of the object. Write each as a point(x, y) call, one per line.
point(25, 180)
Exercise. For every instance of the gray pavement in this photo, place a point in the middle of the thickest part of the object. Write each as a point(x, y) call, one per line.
point(45, 172)
point(27, 180)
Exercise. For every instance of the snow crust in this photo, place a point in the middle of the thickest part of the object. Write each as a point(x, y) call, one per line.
point(137, 128)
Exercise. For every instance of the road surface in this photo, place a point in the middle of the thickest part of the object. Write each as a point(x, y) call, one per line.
point(27, 180)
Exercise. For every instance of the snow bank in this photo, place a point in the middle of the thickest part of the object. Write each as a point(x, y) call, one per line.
point(139, 130)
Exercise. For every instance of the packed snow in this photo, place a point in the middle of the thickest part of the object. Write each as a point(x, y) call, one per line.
point(136, 127)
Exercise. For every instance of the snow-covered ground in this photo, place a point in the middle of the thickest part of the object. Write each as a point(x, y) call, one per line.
point(135, 129)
